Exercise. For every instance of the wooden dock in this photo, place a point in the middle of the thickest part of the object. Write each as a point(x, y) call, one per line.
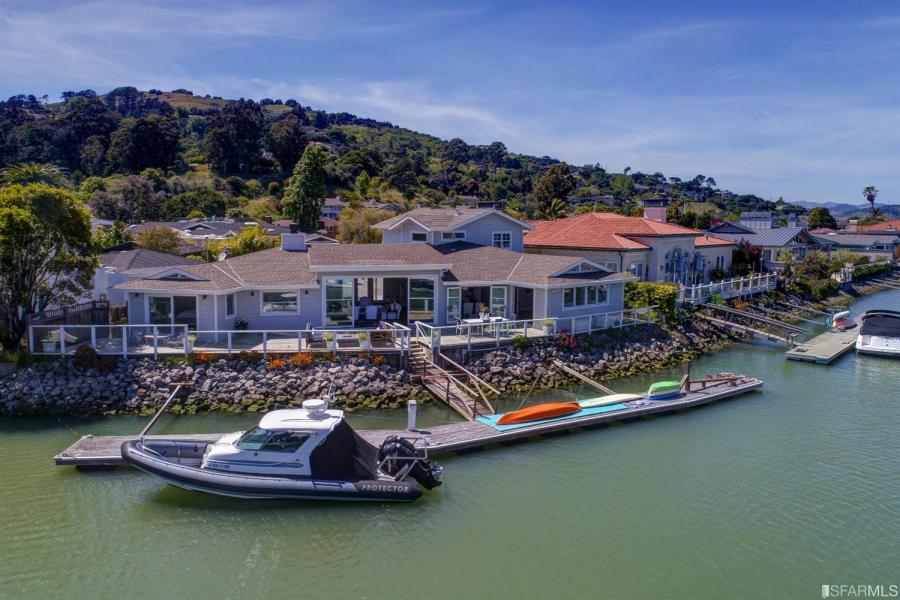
point(825, 348)
point(104, 451)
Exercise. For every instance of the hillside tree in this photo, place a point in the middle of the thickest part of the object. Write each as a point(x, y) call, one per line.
point(820, 217)
point(557, 183)
point(233, 142)
point(286, 141)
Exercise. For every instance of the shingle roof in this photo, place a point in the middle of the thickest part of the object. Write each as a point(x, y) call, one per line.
point(600, 231)
point(860, 240)
point(273, 267)
point(438, 218)
point(461, 262)
point(140, 258)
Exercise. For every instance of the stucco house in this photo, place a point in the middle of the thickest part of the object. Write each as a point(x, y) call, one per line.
point(437, 266)
point(648, 247)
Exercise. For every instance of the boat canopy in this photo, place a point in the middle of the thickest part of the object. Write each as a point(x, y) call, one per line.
point(881, 323)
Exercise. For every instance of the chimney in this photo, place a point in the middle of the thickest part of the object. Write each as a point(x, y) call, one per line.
point(655, 209)
point(853, 225)
point(293, 241)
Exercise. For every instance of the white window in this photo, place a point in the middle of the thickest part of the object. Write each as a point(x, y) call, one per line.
point(637, 269)
point(449, 236)
point(229, 306)
point(501, 239)
point(419, 237)
point(590, 295)
point(720, 263)
point(613, 267)
point(278, 303)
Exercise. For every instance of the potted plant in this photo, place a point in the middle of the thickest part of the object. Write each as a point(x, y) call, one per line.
point(548, 326)
point(49, 344)
point(363, 337)
point(330, 340)
point(484, 312)
point(191, 338)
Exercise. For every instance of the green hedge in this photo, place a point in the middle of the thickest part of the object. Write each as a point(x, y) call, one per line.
point(639, 294)
point(872, 269)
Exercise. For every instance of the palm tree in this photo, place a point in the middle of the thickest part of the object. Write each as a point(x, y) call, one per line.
point(25, 173)
point(870, 192)
point(556, 209)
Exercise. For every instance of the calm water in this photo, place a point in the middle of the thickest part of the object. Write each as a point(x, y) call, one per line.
point(771, 495)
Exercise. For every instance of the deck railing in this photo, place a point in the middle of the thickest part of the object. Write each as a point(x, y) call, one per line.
point(729, 288)
point(498, 333)
point(156, 340)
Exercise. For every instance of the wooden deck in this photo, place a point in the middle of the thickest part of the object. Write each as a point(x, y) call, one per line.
point(103, 451)
point(825, 348)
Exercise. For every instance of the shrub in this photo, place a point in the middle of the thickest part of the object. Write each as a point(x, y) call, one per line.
point(301, 360)
point(107, 364)
point(250, 356)
point(275, 362)
point(716, 299)
point(565, 341)
point(85, 357)
point(201, 358)
point(872, 269)
point(378, 359)
point(520, 342)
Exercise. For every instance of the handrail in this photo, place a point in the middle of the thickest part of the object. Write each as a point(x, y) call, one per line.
point(469, 373)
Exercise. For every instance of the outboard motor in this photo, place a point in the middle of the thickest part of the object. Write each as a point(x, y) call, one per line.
point(398, 455)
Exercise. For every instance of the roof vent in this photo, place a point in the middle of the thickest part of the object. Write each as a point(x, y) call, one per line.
point(315, 408)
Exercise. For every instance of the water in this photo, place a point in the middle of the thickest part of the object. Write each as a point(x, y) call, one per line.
point(770, 496)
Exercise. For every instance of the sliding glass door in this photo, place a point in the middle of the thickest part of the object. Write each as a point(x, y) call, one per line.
point(421, 300)
point(339, 302)
point(160, 312)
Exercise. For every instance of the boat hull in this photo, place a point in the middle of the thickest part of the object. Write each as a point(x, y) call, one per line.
point(263, 487)
point(539, 412)
point(611, 399)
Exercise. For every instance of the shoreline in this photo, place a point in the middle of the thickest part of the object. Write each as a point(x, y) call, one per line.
point(140, 387)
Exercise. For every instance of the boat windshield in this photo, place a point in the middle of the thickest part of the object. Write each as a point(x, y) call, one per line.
point(271, 441)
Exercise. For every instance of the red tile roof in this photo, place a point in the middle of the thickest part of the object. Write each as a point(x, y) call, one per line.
point(707, 240)
point(606, 231)
point(883, 226)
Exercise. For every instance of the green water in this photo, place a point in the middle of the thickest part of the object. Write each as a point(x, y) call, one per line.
point(767, 496)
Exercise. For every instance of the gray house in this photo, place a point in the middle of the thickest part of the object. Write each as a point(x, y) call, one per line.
point(452, 265)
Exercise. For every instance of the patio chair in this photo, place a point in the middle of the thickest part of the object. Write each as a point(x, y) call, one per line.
point(175, 341)
point(313, 336)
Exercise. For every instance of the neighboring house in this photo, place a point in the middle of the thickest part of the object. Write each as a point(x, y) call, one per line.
point(648, 247)
point(332, 207)
point(481, 226)
point(758, 220)
point(875, 245)
point(887, 226)
point(118, 266)
point(347, 285)
point(199, 230)
point(772, 240)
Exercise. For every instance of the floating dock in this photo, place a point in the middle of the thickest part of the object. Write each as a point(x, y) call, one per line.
point(825, 348)
point(104, 451)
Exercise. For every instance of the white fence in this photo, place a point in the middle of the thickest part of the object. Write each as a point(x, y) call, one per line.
point(729, 288)
point(502, 332)
point(156, 340)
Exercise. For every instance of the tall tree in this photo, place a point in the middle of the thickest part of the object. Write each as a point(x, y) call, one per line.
point(251, 239)
point(305, 190)
point(555, 184)
point(143, 143)
point(234, 142)
point(355, 225)
point(821, 217)
point(286, 141)
point(161, 239)
point(870, 192)
point(46, 254)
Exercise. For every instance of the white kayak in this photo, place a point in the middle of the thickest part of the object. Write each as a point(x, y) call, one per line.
point(611, 399)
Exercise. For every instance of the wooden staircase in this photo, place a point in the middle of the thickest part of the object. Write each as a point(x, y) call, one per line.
point(446, 384)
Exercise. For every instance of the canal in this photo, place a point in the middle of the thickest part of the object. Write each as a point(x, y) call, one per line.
point(771, 495)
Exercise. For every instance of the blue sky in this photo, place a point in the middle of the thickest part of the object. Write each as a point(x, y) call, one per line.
point(797, 100)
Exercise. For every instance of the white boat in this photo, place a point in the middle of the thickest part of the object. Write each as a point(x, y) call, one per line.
point(879, 333)
point(308, 453)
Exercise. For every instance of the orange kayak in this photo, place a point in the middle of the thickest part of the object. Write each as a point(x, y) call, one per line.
point(539, 412)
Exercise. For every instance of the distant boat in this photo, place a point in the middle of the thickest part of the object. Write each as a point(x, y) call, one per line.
point(842, 322)
point(539, 412)
point(880, 333)
point(607, 400)
point(662, 390)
